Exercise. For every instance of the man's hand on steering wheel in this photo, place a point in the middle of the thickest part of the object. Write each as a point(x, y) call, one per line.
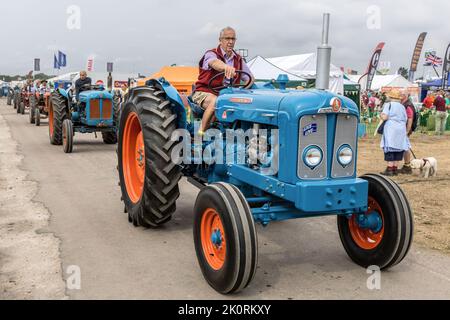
point(230, 72)
point(232, 83)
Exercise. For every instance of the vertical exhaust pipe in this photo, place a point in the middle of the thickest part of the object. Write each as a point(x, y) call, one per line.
point(324, 57)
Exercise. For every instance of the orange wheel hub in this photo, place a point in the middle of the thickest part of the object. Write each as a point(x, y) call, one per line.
point(133, 157)
point(213, 239)
point(365, 238)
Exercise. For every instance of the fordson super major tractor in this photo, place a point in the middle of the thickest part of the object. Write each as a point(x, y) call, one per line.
point(309, 170)
point(93, 112)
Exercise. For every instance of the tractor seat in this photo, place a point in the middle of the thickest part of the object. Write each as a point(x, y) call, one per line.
point(192, 108)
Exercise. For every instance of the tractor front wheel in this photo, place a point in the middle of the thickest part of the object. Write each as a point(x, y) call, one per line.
point(9, 98)
point(37, 117)
point(19, 107)
point(382, 236)
point(16, 100)
point(32, 109)
point(67, 133)
point(109, 137)
point(225, 238)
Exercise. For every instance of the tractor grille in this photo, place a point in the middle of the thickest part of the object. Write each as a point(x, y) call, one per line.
point(346, 134)
point(100, 109)
point(94, 111)
point(313, 132)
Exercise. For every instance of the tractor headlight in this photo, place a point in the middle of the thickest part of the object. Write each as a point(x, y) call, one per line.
point(312, 156)
point(345, 155)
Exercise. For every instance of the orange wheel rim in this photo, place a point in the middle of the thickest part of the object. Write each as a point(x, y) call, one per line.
point(365, 238)
point(50, 121)
point(133, 157)
point(213, 239)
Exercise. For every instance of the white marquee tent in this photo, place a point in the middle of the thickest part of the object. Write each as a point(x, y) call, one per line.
point(383, 81)
point(304, 66)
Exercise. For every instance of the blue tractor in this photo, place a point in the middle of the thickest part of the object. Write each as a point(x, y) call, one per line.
point(94, 111)
point(306, 167)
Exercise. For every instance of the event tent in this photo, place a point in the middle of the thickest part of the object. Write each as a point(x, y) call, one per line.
point(181, 77)
point(263, 70)
point(382, 81)
point(304, 66)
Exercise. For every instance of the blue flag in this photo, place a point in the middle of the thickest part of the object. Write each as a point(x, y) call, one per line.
point(56, 62)
point(62, 59)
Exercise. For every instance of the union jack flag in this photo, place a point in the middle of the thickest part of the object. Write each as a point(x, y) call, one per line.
point(431, 59)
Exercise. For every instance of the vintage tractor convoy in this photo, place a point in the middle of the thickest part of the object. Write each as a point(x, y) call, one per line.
point(93, 112)
point(39, 105)
point(309, 170)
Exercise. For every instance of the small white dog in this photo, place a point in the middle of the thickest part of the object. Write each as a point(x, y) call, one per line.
point(427, 166)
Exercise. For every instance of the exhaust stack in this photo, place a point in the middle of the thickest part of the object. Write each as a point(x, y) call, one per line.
point(324, 57)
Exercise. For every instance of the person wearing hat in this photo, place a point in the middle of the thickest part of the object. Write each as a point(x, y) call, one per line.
point(394, 141)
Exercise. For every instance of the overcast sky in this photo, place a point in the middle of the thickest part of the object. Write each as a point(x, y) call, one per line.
point(141, 36)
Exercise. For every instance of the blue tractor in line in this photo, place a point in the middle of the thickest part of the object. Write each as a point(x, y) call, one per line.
point(307, 169)
point(94, 111)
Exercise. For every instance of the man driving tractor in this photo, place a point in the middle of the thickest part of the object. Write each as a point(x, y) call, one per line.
point(82, 81)
point(222, 59)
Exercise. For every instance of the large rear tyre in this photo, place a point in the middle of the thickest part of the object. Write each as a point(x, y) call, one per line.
point(225, 238)
point(148, 177)
point(383, 235)
point(67, 133)
point(37, 117)
point(32, 109)
point(57, 113)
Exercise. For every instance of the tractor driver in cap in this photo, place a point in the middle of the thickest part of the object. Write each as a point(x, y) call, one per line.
point(221, 59)
point(82, 81)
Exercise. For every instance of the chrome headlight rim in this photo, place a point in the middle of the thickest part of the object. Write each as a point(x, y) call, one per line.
point(308, 151)
point(350, 157)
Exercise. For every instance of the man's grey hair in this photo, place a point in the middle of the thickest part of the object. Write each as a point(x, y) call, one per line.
point(224, 30)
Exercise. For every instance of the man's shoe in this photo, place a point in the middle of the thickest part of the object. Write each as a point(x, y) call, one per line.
point(388, 172)
point(405, 170)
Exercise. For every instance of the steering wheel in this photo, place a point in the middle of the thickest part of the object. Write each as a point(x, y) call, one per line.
point(216, 90)
point(85, 87)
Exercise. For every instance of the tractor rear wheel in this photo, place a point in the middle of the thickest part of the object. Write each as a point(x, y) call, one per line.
point(32, 109)
point(148, 177)
point(383, 235)
point(67, 132)
point(225, 238)
point(37, 117)
point(57, 113)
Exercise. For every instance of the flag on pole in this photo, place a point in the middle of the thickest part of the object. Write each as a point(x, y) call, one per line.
point(37, 65)
point(90, 64)
point(431, 59)
point(62, 58)
point(56, 62)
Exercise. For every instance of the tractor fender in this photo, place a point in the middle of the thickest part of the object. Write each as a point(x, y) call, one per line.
point(173, 95)
point(64, 93)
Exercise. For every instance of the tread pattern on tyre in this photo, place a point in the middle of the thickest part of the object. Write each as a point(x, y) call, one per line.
point(238, 272)
point(405, 224)
point(59, 115)
point(406, 234)
point(161, 189)
point(32, 109)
